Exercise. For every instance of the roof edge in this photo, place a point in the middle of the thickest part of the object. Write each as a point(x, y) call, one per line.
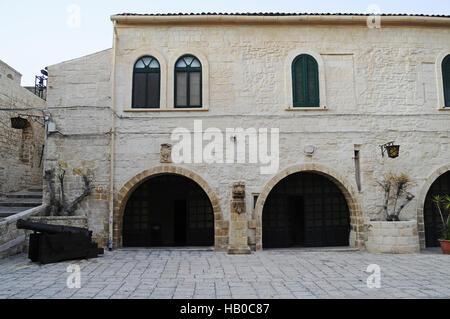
point(343, 19)
point(79, 58)
point(10, 67)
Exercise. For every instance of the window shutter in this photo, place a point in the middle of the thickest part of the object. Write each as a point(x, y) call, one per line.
point(305, 79)
point(313, 82)
point(299, 82)
point(446, 79)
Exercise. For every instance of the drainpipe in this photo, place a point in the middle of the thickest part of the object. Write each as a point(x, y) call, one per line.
point(112, 141)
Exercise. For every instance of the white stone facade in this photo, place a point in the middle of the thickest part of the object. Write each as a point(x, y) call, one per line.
point(376, 86)
point(21, 157)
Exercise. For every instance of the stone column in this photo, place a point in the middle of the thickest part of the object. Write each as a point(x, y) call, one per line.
point(238, 241)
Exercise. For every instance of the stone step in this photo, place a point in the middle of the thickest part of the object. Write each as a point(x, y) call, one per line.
point(9, 211)
point(20, 202)
point(25, 194)
point(38, 189)
point(315, 249)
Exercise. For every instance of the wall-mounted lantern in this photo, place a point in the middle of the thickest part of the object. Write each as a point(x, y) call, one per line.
point(393, 151)
point(19, 123)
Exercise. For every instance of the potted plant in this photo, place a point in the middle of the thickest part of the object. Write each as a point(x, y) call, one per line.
point(390, 234)
point(443, 202)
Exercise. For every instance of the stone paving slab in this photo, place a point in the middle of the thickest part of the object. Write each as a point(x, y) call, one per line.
point(272, 274)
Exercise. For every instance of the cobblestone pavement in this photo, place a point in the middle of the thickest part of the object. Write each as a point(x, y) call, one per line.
point(269, 274)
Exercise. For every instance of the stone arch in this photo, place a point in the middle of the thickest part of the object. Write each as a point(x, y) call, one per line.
point(421, 201)
point(357, 233)
point(220, 226)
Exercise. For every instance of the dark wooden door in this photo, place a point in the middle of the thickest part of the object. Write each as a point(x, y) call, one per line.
point(168, 211)
point(306, 210)
point(200, 223)
point(180, 222)
point(296, 220)
point(432, 219)
point(276, 223)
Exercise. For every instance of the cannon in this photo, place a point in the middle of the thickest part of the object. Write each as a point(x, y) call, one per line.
point(53, 243)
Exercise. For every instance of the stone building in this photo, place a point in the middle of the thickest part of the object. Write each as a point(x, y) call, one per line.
point(334, 88)
point(21, 150)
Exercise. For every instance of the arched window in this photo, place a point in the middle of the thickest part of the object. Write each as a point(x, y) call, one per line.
point(446, 79)
point(146, 83)
point(188, 82)
point(305, 81)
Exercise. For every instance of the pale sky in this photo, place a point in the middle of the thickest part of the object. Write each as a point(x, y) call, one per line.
point(35, 34)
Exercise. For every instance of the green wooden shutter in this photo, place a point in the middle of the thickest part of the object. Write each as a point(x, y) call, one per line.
point(299, 83)
point(446, 79)
point(313, 82)
point(305, 78)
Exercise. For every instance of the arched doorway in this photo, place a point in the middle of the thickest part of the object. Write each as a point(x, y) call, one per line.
point(432, 219)
point(305, 209)
point(26, 150)
point(166, 211)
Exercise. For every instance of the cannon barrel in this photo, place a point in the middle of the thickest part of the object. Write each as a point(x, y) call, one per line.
point(51, 229)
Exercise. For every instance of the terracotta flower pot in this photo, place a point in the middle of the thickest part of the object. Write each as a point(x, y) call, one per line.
point(445, 244)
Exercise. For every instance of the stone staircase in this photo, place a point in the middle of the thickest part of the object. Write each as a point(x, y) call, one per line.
point(14, 203)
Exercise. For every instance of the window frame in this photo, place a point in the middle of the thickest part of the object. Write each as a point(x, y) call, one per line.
point(307, 103)
point(446, 63)
point(146, 71)
point(188, 69)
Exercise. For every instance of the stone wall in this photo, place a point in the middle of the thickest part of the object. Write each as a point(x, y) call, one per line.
point(21, 157)
point(12, 240)
point(380, 86)
point(393, 237)
point(81, 111)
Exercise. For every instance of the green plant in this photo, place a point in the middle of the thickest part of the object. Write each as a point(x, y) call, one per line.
point(442, 202)
point(60, 206)
point(395, 186)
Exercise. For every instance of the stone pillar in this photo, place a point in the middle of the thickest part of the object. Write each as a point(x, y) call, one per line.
point(238, 241)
